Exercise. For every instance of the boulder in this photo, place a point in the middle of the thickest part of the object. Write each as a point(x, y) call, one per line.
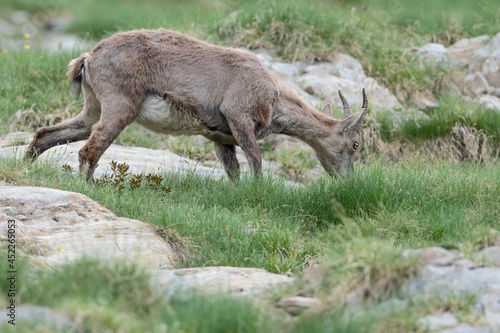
point(476, 84)
point(432, 256)
point(54, 227)
point(491, 69)
point(468, 53)
point(235, 280)
point(141, 160)
point(433, 53)
point(42, 316)
point(489, 102)
point(437, 321)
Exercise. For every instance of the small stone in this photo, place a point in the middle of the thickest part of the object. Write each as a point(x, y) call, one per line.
point(476, 84)
point(295, 305)
point(490, 304)
point(433, 52)
point(437, 256)
point(425, 100)
point(490, 102)
point(437, 321)
point(491, 254)
point(491, 69)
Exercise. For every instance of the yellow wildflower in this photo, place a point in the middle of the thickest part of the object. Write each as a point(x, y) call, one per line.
point(5, 51)
point(27, 47)
point(27, 35)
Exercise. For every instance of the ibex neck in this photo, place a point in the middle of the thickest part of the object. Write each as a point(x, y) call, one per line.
point(295, 118)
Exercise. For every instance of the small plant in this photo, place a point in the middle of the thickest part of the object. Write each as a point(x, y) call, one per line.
point(120, 175)
point(67, 168)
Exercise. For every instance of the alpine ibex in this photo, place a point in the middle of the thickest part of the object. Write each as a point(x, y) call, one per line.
point(175, 84)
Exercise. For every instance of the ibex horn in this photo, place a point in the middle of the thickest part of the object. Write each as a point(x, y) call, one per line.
point(347, 108)
point(365, 100)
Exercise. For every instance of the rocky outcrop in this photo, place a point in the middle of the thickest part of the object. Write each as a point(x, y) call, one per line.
point(476, 62)
point(319, 83)
point(235, 280)
point(54, 227)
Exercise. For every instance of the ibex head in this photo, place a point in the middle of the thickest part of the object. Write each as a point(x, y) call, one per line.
point(336, 151)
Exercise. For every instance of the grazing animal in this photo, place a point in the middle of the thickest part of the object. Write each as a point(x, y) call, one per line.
point(175, 84)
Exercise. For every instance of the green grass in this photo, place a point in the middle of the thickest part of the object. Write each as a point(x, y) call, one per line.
point(439, 122)
point(270, 224)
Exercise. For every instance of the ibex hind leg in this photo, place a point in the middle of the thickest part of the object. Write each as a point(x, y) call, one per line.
point(227, 155)
point(118, 111)
point(75, 129)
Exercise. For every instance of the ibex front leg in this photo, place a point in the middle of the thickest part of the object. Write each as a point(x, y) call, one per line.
point(243, 132)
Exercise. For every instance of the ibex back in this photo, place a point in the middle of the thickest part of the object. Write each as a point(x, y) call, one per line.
point(178, 85)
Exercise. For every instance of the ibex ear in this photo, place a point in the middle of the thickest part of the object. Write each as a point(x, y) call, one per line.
point(327, 110)
point(354, 122)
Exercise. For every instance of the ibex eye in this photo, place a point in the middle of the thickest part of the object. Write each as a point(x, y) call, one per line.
point(355, 145)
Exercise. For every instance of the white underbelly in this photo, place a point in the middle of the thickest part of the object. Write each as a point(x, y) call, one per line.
point(162, 116)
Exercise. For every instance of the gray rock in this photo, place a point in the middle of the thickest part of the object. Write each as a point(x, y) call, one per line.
point(433, 53)
point(436, 322)
point(448, 280)
point(15, 139)
point(490, 304)
point(491, 254)
point(476, 83)
point(432, 256)
point(425, 100)
point(391, 305)
point(489, 102)
point(141, 160)
point(491, 69)
point(466, 328)
point(63, 226)
point(343, 66)
point(241, 281)
point(40, 315)
point(469, 52)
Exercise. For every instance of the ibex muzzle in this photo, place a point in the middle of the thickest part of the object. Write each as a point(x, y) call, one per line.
point(174, 84)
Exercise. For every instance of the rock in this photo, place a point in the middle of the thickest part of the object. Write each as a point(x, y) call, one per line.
point(437, 321)
point(466, 328)
point(242, 281)
point(343, 66)
point(41, 315)
point(491, 254)
point(432, 256)
point(6, 29)
point(15, 139)
point(425, 100)
point(433, 53)
point(491, 69)
point(307, 96)
point(141, 160)
point(295, 305)
point(54, 227)
point(319, 83)
point(489, 102)
point(447, 280)
point(327, 86)
point(490, 304)
point(391, 305)
point(469, 52)
point(476, 84)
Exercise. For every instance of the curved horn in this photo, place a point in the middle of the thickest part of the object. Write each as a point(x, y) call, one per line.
point(365, 100)
point(347, 108)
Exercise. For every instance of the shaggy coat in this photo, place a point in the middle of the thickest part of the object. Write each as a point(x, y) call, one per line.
point(175, 84)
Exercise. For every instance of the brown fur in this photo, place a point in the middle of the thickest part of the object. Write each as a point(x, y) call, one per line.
point(228, 95)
